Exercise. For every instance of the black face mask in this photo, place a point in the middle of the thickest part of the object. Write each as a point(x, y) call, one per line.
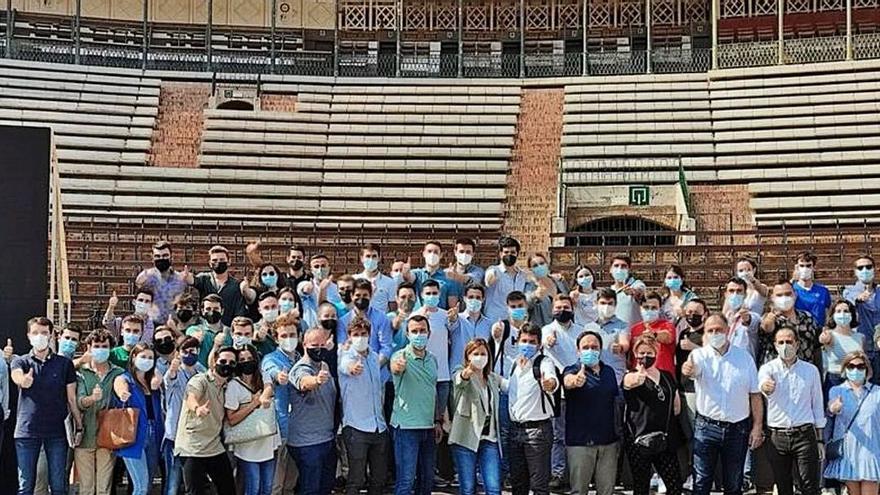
point(162, 265)
point(329, 325)
point(225, 370)
point(296, 266)
point(164, 346)
point(247, 368)
point(317, 354)
point(694, 321)
point(184, 314)
point(220, 267)
point(345, 295)
point(211, 316)
point(362, 304)
point(509, 259)
point(647, 361)
point(564, 316)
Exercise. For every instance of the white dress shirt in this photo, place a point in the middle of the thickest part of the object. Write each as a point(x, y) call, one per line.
point(742, 335)
point(723, 383)
point(526, 395)
point(797, 400)
point(564, 352)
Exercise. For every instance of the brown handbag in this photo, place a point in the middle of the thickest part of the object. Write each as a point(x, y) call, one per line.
point(117, 428)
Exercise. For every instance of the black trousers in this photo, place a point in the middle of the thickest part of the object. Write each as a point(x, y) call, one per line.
point(529, 457)
point(196, 471)
point(795, 451)
point(366, 449)
point(642, 468)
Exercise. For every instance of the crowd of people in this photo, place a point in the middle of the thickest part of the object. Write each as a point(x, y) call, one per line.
point(510, 375)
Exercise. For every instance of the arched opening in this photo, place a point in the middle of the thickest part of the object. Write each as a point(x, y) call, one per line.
point(622, 231)
point(235, 105)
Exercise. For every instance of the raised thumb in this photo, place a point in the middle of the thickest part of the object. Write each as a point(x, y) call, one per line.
point(8, 342)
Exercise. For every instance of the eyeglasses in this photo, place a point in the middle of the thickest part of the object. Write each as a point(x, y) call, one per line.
point(865, 267)
point(861, 367)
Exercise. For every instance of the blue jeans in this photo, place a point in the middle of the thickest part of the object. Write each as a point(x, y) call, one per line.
point(258, 476)
point(557, 451)
point(28, 451)
point(730, 441)
point(504, 431)
point(488, 458)
point(414, 461)
point(173, 468)
point(142, 470)
point(317, 468)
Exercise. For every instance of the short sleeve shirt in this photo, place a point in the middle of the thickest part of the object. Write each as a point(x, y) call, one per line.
point(200, 436)
point(312, 412)
point(42, 407)
point(233, 302)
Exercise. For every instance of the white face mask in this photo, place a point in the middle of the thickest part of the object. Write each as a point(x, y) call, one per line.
point(360, 343)
point(785, 351)
point(805, 272)
point(479, 361)
point(717, 340)
point(288, 344)
point(605, 311)
point(783, 303)
point(39, 342)
point(464, 259)
point(432, 259)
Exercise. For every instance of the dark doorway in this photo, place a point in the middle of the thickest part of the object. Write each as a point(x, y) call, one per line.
point(236, 105)
point(622, 231)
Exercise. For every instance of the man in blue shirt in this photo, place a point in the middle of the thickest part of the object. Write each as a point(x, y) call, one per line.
point(468, 325)
point(464, 271)
point(864, 295)
point(380, 336)
point(450, 290)
point(503, 279)
point(47, 393)
point(812, 297)
point(363, 420)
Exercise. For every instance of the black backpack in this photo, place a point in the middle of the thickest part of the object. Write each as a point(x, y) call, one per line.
point(556, 398)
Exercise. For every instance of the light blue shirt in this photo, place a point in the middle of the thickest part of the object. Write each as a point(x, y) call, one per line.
point(628, 308)
point(380, 335)
point(273, 363)
point(463, 331)
point(310, 302)
point(496, 294)
point(475, 273)
point(175, 393)
point(611, 330)
point(384, 290)
point(868, 312)
point(363, 396)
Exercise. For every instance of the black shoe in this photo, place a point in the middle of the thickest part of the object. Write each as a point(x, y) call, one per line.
point(557, 483)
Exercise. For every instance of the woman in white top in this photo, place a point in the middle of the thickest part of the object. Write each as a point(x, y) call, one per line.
point(244, 395)
point(839, 338)
point(583, 296)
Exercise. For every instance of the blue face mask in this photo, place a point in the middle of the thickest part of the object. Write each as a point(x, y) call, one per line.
point(856, 376)
point(66, 347)
point(285, 305)
point(674, 283)
point(541, 271)
point(842, 319)
point(419, 340)
point(431, 301)
point(526, 350)
point(473, 305)
point(620, 274)
point(100, 354)
point(269, 280)
point(865, 276)
point(143, 364)
point(650, 315)
point(586, 282)
point(590, 357)
point(518, 314)
point(370, 264)
point(735, 301)
point(130, 339)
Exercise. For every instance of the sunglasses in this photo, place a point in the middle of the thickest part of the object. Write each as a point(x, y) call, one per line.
point(225, 361)
point(166, 339)
point(861, 367)
point(865, 267)
point(268, 274)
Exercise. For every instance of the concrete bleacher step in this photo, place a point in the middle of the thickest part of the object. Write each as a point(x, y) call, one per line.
point(233, 136)
point(421, 118)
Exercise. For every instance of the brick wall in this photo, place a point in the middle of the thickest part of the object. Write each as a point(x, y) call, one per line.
point(532, 180)
point(177, 135)
point(277, 102)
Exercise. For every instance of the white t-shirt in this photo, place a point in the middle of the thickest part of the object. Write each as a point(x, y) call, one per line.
point(259, 450)
point(438, 342)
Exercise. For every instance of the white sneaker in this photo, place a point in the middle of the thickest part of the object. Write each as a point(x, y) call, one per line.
point(655, 482)
point(689, 484)
point(829, 491)
point(661, 487)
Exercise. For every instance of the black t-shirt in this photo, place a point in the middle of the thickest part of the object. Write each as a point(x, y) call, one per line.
point(696, 337)
point(649, 407)
point(233, 302)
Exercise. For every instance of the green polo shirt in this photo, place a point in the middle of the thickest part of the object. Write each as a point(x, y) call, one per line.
point(119, 356)
point(415, 391)
point(86, 379)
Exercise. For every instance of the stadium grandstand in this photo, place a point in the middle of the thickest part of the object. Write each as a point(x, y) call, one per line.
point(680, 131)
